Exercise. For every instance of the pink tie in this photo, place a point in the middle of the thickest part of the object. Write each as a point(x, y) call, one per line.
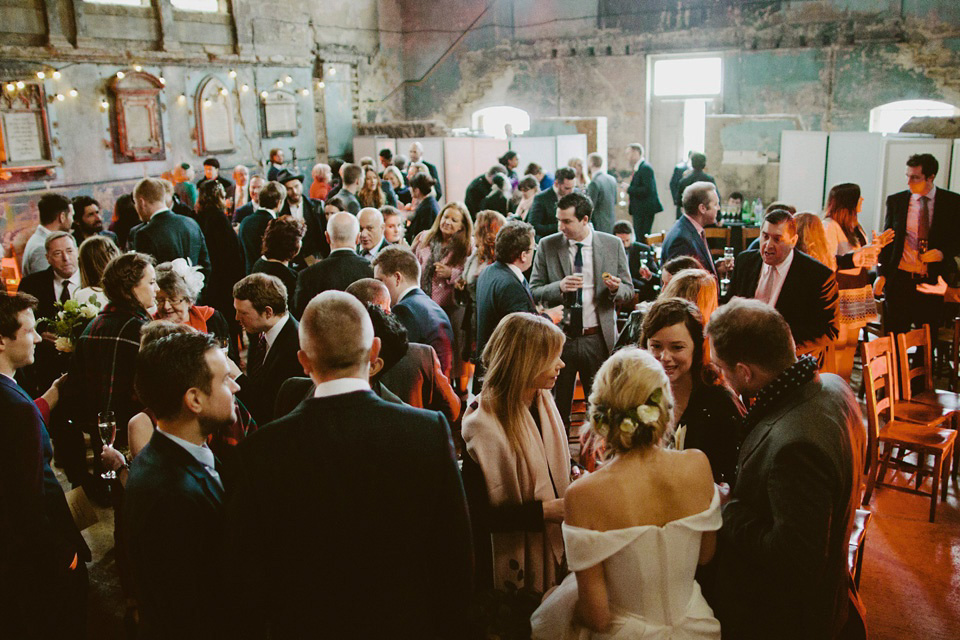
point(765, 290)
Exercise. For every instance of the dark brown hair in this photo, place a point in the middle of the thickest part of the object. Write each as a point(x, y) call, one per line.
point(122, 274)
point(281, 238)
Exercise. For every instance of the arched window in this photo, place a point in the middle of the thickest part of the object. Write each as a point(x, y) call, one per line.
point(494, 120)
point(888, 118)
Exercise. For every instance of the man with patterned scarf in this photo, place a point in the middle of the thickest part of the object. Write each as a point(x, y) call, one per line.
point(783, 546)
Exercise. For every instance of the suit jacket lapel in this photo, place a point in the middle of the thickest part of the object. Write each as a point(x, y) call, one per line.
point(175, 454)
point(563, 253)
point(598, 286)
point(789, 282)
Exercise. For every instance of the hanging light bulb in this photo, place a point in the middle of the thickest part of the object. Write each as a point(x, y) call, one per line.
point(137, 68)
point(162, 80)
point(264, 94)
point(279, 83)
point(304, 92)
point(56, 75)
point(41, 75)
point(232, 73)
point(61, 97)
point(332, 71)
point(104, 105)
point(74, 93)
point(11, 86)
point(20, 84)
point(245, 88)
point(223, 91)
point(181, 98)
point(321, 85)
point(120, 75)
point(207, 103)
point(287, 79)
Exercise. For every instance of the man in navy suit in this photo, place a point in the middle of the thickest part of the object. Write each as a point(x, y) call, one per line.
point(644, 201)
point(340, 269)
point(686, 237)
point(803, 290)
point(255, 225)
point(543, 211)
point(173, 511)
point(43, 575)
point(926, 222)
point(261, 304)
point(425, 320)
point(315, 244)
point(255, 185)
point(163, 234)
point(350, 508)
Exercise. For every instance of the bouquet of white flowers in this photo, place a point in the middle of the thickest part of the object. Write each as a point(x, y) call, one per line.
point(72, 317)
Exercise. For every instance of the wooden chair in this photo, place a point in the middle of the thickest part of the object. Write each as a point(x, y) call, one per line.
point(748, 235)
point(907, 410)
point(653, 239)
point(720, 237)
point(906, 436)
point(948, 353)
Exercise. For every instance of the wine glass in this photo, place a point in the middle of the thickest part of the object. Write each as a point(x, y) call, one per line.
point(107, 425)
point(728, 259)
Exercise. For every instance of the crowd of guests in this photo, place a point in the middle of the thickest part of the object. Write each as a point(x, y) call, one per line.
point(288, 376)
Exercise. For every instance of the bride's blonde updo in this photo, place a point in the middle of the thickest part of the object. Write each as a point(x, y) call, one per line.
point(631, 404)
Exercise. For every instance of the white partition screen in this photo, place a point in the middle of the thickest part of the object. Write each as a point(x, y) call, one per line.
point(486, 152)
point(854, 157)
point(803, 159)
point(572, 146)
point(955, 167)
point(542, 150)
point(458, 166)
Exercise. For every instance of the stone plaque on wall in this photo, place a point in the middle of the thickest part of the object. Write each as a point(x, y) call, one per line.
point(136, 123)
point(23, 137)
point(280, 114)
point(214, 117)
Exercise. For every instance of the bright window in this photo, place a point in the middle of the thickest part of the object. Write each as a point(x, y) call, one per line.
point(493, 121)
point(888, 118)
point(687, 77)
point(207, 6)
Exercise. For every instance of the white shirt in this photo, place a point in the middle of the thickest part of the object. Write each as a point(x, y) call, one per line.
point(782, 269)
point(910, 259)
point(589, 309)
point(372, 253)
point(58, 282)
point(201, 454)
point(273, 332)
point(34, 253)
point(340, 386)
point(516, 271)
point(296, 210)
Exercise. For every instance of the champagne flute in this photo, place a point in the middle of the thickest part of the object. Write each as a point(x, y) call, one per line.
point(107, 425)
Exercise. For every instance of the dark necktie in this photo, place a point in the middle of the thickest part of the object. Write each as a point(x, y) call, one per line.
point(256, 359)
point(65, 292)
point(923, 221)
point(578, 268)
point(703, 236)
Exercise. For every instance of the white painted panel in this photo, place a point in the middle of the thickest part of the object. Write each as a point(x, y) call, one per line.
point(432, 153)
point(385, 143)
point(955, 167)
point(855, 156)
point(897, 151)
point(803, 160)
point(572, 146)
point(364, 146)
point(542, 150)
point(486, 152)
point(458, 166)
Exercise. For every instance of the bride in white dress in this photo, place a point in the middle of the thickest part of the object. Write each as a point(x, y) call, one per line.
point(636, 529)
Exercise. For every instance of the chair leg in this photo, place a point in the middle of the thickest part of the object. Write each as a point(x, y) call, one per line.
point(871, 481)
point(944, 475)
point(884, 461)
point(937, 462)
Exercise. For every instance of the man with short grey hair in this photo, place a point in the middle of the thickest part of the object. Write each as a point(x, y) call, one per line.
point(786, 526)
point(340, 269)
point(390, 523)
point(416, 155)
point(372, 239)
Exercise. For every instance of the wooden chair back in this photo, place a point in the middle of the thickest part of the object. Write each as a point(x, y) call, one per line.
point(748, 235)
point(655, 238)
point(881, 347)
point(718, 235)
point(915, 339)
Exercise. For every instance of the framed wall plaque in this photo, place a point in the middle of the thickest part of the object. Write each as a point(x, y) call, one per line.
point(280, 116)
point(136, 124)
point(24, 130)
point(214, 111)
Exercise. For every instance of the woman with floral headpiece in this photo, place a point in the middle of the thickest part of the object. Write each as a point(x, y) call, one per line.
point(517, 463)
point(636, 529)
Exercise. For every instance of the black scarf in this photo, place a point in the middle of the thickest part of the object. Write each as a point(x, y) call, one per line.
point(790, 379)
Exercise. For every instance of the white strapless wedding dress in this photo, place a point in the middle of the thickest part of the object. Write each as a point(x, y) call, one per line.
point(649, 574)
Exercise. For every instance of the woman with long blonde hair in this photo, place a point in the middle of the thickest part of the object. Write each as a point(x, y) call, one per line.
point(516, 466)
point(812, 240)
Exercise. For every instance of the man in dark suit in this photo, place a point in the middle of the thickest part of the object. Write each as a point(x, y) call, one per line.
point(211, 171)
point(543, 211)
point(585, 271)
point(698, 162)
point(678, 172)
point(315, 244)
point(372, 239)
point(803, 290)
point(255, 225)
point(644, 201)
point(43, 575)
point(365, 546)
point(256, 184)
point(163, 234)
point(786, 528)
point(602, 191)
point(56, 283)
point(416, 155)
point(275, 164)
point(88, 221)
point(502, 288)
point(480, 187)
point(926, 224)
point(393, 347)
point(173, 509)
point(340, 269)
point(642, 260)
point(425, 321)
point(417, 379)
point(686, 236)
point(261, 304)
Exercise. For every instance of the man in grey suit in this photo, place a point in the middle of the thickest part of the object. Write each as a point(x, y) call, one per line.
point(164, 234)
point(602, 190)
point(783, 546)
point(586, 271)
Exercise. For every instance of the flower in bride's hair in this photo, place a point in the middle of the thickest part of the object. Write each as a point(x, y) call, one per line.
point(648, 414)
point(627, 425)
